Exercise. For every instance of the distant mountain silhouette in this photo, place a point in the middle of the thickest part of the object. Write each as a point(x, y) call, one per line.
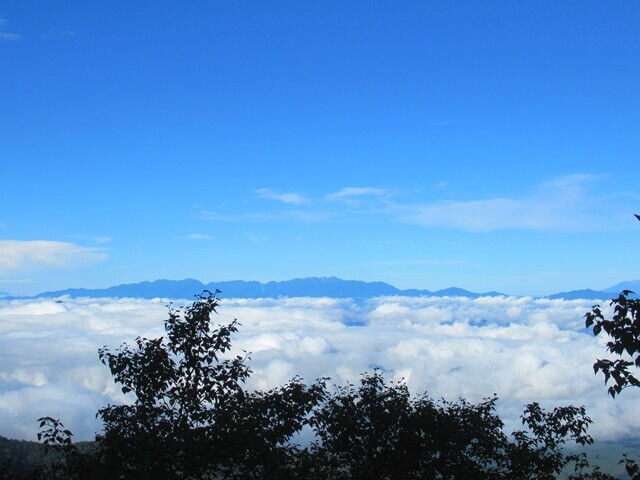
point(586, 293)
point(633, 285)
point(298, 287)
point(303, 287)
point(461, 292)
point(606, 294)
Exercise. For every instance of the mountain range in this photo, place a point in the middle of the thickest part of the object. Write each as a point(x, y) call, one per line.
point(301, 287)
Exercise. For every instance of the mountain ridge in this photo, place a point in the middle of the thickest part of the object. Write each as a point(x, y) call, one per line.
point(300, 287)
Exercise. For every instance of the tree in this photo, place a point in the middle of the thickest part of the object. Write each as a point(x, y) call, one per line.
point(623, 329)
point(189, 417)
point(537, 452)
point(377, 431)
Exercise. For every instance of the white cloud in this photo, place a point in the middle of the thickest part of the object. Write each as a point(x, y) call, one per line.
point(565, 203)
point(102, 239)
point(199, 236)
point(573, 182)
point(8, 36)
point(96, 239)
point(60, 34)
point(257, 238)
point(523, 349)
point(292, 198)
point(218, 217)
point(560, 204)
point(305, 216)
point(577, 203)
point(475, 215)
point(350, 192)
point(16, 255)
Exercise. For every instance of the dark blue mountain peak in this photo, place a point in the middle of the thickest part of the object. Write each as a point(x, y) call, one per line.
point(333, 287)
point(298, 287)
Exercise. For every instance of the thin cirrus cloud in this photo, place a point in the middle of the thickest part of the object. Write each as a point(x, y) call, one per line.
point(355, 192)
point(565, 203)
point(562, 204)
point(473, 215)
point(199, 236)
point(7, 36)
point(17, 255)
point(295, 215)
point(291, 198)
point(522, 349)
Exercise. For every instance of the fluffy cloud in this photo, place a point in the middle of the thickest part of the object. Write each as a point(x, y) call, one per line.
point(29, 255)
point(522, 349)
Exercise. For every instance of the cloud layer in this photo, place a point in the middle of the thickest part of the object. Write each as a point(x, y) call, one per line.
point(522, 349)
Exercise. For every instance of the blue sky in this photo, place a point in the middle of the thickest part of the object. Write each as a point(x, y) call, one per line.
point(487, 145)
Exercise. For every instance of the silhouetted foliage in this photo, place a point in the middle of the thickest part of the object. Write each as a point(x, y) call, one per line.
point(624, 330)
point(538, 452)
point(189, 417)
point(18, 456)
point(378, 431)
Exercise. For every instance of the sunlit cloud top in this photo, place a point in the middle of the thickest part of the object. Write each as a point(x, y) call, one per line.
point(521, 349)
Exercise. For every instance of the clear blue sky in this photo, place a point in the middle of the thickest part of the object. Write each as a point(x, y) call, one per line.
point(490, 145)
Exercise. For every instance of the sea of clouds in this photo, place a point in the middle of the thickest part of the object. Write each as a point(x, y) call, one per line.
point(522, 349)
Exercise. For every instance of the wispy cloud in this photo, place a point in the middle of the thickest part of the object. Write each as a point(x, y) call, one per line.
point(102, 239)
point(217, 217)
point(96, 239)
point(253, 238)
point(16, 255)
point(292, 198)
point(562, 203)
point(7, 36)
point(305, 216)
point(566, 203)
point(351, 192)
point(199, 236)
point(60, 34)
point(474, 215)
